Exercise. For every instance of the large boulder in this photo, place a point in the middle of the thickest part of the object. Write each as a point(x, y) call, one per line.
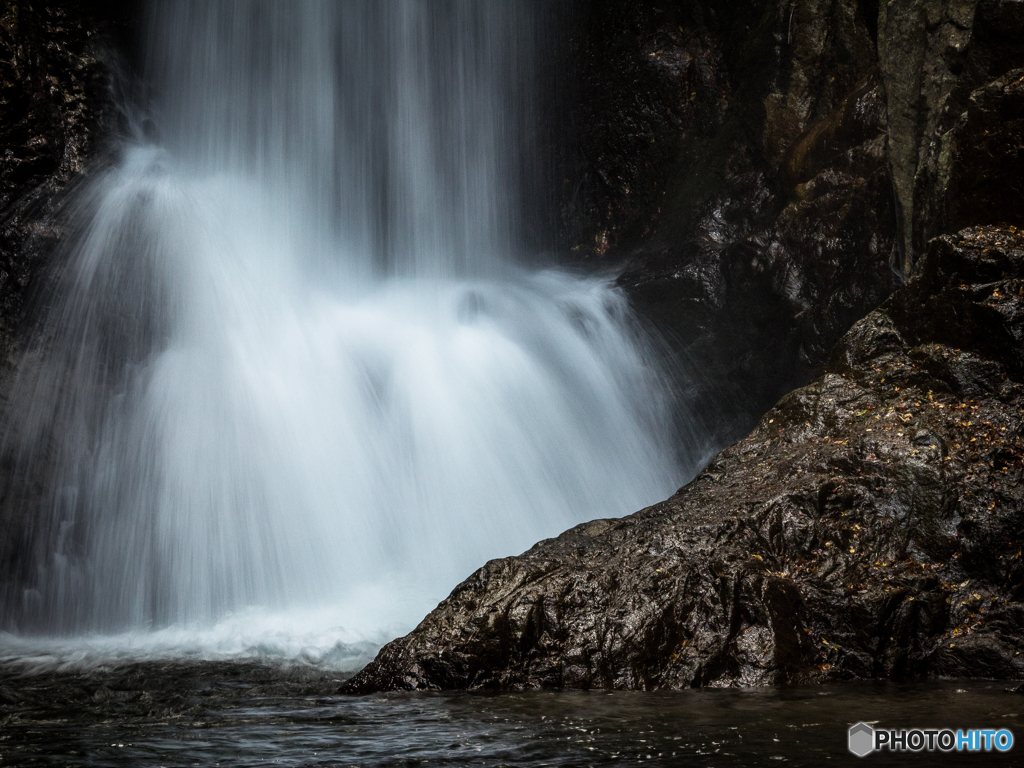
point(769, 173)
point(870, 526)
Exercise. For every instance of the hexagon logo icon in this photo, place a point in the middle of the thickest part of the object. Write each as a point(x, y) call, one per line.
point(862, 739)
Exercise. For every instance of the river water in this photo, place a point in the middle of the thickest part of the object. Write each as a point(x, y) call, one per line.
point(248, 714)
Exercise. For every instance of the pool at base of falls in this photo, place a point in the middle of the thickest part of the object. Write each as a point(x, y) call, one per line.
point(256, 713)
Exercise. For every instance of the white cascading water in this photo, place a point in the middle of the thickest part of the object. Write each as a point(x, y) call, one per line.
point(291, 387)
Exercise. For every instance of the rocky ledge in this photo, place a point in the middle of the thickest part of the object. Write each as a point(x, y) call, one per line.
point(870, 526)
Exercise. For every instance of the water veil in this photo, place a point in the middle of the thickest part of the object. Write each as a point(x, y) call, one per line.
point(291, 385)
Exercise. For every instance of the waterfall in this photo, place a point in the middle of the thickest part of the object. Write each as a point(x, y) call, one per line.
point(293, 380)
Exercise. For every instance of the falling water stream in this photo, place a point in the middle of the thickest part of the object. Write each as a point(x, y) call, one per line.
point(294, 383)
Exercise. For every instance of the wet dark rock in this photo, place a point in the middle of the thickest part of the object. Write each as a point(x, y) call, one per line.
point(650, 80)
point(870, 526)
point(946, 66)
point(734, 158)
point(767, 173)
point(56, 109)
point(922, 50)
point(55, 112)
point(984, 155)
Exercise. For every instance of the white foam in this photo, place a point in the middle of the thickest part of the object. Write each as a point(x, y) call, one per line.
point(261, 430)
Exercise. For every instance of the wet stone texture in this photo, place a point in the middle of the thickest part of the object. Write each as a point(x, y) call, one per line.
point(56, 113)
point(768, 173)
point(734, 159)
point(870, 526)
point(947, 67)
point(54, 103)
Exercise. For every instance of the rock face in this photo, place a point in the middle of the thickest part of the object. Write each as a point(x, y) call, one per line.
point(734, 156)
point(870, 526)
point(54, 99)
point(55, 109)
point(769, 172)
point(944, 65)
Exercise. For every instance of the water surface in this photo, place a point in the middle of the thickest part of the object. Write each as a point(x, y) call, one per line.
point(242, 714)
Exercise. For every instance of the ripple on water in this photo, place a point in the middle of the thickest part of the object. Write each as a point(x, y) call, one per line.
point(235, 713)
